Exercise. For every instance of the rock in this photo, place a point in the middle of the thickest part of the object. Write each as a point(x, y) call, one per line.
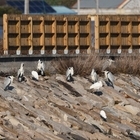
point(133, 110)
point(55, 109)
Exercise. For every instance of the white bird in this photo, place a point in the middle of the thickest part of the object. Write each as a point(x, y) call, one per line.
point(107, 63)
point(20, 73)
point(110, 77)
point(103, 115)
point(96, 85)
point(94, 76)
point(7, 82)
point(41, 68)
point(69, 74)
point(34, 75)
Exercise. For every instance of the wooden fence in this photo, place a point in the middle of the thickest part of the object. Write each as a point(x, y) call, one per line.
point(117, 34)
point(46, 34)
point(70, 34)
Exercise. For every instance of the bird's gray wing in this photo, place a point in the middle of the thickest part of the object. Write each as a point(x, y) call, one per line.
point(7, 82)
point(67, 72)
point(18, 73)
point(72, 71)
point(105, 65)
point(43, 66)
point(38, 66)
point(111, 77)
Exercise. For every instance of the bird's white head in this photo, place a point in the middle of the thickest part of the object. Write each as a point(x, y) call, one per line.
point(12, 78)
point(110, 61)
point(22, 64)
point(93, 70)
point(71, 70)
point(105, 71)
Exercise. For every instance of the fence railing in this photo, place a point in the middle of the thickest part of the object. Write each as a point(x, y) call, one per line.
point(70, 34)
point(46, 34)
point(116, 34)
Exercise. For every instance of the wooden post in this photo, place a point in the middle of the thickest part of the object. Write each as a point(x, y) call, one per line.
point(130, 35)
point(42, 39)
point(66, 36)
point(18, 51)
point(31, 35)
point(54, 51)
point(108, 35)
point(89, 34)
point(96, 34)
point(5, 34)
point(77, 42)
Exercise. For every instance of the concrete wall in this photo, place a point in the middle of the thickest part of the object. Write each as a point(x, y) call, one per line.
point(135, 11)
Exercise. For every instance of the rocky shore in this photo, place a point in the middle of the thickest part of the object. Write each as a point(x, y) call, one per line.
point(54, 109)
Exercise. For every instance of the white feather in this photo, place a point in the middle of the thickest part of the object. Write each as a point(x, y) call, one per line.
point(107, 63)
point(40, 65)
point(109, 76)
point(20, 73)
point(96, 85)
point(35, 75)
point(94, 76)
point(103, 114)
point(69, 73)
point(7, 82)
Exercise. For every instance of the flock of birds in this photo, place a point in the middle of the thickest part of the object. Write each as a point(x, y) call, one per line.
point(40, 70)
point(96, 83)
point(21, 77)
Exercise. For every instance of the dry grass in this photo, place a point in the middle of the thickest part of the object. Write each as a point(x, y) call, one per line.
point(83, 65)
point(128, 65)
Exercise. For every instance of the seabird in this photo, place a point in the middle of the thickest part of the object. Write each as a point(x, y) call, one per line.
point(41, 68)
point(106, 64)
point(103, 115)
point(7, 82)
point(20, 73)
point(94, 76)
point(69, 74)
point(35, 75)
point(110, 77)
point(96, 85)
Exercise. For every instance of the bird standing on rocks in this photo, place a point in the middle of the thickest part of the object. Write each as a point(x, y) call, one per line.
point(107, 64)
point(103, 115)
point(41, 68)
point(110, 77)
point(94, 76)
point(69, 74)
point(35, 75)
point(96, 85)
point(7, 82)
point(20, 73)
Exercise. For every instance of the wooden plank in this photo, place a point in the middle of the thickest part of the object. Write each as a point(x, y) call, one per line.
point(89, 35)
point(66, 36)
point(77, 38)
point(54, 43)
point(18, 51)
point(97, 47)
point(42, 40)
point(30, 51)
point(5, 34)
